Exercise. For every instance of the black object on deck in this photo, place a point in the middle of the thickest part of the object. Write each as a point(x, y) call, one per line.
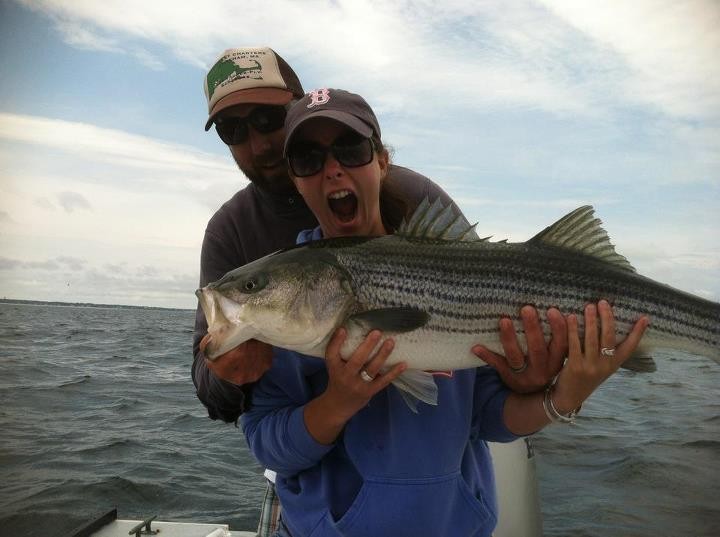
point(87, 529)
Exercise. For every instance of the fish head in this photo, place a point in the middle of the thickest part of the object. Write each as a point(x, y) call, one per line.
point(292, 299)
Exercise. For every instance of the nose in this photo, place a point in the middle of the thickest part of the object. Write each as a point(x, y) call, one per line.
point(259, 143)
point(332, 169)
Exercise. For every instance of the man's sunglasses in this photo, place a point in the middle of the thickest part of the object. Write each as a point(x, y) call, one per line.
point(235, 130)
point(351, 150)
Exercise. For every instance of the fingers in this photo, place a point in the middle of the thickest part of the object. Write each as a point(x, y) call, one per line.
point(489, 357)
point(361, 355)
point(332, 351)
point(508, 338)
point(558, 346)
point(537, 350)
point(362, 358)
point(382, 380)
point(204, 342)
point(631, 342)
point(574, 348)
point(607, 325)
point(374, 366)
point(591, 331)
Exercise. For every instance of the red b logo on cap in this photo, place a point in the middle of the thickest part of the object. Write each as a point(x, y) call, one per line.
point(318, 97)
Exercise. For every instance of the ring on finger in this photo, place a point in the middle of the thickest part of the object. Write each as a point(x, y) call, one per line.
point(364, 375)
point(519, 369)
point(607, 351)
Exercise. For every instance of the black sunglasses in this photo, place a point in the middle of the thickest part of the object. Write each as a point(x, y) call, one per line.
point(351, 150)
point(235, 130)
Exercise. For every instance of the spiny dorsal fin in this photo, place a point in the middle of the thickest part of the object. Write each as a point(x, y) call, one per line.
point(581, 232)
point(437, 222)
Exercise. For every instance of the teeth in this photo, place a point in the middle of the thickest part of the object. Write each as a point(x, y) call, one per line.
point(339, 194)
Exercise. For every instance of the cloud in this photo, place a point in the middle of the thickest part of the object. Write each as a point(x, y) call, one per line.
point(669, 48)
point(106, 145)
point(79, 36)
point(57, 263)
point(148, 60)
point(9, 264)
point(44, 203)
point(156, 165)
point(556, 55)
point(115, 268)
point(70, 201)
point(68, 278)
point(13, 264)
point(73, 263)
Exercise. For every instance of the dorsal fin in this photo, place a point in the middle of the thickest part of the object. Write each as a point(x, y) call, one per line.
point(436, 221)
point(581, 232)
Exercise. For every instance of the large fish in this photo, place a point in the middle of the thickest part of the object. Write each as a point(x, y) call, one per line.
point(438, 289)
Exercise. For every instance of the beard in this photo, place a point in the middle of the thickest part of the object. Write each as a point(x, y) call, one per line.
point(274, 181)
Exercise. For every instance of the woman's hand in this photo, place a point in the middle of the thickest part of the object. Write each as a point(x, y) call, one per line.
point(527, 374)
point(586, 370)
point(583, 372)
point(351, 384)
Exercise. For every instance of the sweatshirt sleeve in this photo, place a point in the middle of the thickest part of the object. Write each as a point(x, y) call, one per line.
point(490, 395)
point(274, 426)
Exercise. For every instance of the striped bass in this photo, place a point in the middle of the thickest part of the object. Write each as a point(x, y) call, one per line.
point(438, 289)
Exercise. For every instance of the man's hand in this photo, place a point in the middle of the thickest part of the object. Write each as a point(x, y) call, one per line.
point(244, 364)
point(527, 374)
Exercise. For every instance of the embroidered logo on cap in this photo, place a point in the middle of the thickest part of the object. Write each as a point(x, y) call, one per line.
point(226, 70)
point(318, 97)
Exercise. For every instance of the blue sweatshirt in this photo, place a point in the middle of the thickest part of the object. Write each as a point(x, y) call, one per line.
point(391, 472)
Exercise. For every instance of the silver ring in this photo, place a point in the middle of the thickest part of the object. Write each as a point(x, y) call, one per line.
point(607, 351)
point(519, 369)
point(365, 376)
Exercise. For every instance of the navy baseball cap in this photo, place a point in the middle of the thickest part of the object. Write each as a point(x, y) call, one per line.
point(347, 108)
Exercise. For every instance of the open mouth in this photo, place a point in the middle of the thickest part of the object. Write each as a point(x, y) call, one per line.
point(343, 204)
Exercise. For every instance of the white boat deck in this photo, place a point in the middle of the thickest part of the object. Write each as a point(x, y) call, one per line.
point(170, 529)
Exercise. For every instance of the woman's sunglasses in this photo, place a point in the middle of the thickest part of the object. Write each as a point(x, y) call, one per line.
point(235, 130)
point(351, 150)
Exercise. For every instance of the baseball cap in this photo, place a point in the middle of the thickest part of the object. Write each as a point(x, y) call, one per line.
point(249, 75)
point(348, 108)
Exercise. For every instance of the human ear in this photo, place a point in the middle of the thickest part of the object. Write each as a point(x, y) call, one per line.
point(383, 161)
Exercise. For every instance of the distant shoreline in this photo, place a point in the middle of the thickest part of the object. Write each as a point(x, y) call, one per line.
point(85, 305)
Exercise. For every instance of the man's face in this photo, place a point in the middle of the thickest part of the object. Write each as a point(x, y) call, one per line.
point(260, 156)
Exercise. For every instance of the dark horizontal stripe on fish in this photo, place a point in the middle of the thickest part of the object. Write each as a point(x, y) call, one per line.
point(663, 320)
point(666, 308)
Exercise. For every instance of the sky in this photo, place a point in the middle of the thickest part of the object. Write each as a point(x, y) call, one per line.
point(521, 110)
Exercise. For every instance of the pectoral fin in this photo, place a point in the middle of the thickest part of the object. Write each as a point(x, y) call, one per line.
point(640, 362)
point(415, 385)
point(401, 319)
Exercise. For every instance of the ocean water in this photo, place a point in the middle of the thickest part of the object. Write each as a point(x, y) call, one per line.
point(97, 410)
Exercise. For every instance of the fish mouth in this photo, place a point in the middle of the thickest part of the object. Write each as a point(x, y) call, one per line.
point(343, 204)
point(224, 333)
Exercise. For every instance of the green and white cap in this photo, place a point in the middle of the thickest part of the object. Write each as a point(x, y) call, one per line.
point(249, 75)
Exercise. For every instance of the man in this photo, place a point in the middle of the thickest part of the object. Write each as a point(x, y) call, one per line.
point(249, 91)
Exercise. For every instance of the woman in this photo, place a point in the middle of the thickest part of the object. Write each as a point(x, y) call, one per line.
point(351, 458)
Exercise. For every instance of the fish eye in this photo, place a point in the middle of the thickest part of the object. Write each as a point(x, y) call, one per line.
point(254, 283)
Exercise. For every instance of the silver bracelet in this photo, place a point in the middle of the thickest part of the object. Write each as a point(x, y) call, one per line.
point(552, 413)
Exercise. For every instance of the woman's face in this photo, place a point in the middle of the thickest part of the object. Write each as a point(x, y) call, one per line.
point(344, 199)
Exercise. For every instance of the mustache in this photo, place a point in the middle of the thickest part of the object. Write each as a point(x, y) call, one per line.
point(269, 159)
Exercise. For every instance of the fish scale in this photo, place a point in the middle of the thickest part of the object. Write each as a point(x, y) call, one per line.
point(438, 289)
point(393, 271)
